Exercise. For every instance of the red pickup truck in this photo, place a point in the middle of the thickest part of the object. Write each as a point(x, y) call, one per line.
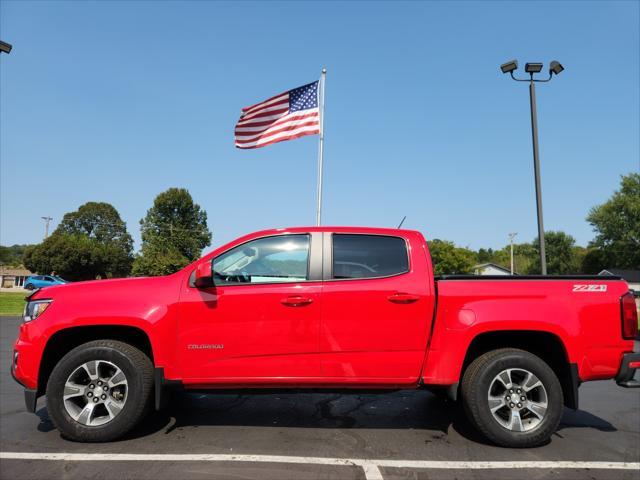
point(330, 308)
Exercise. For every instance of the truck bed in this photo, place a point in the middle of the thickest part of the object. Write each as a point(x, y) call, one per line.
point(582, 312)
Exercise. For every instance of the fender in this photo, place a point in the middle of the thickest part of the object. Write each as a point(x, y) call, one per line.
point(146, 304)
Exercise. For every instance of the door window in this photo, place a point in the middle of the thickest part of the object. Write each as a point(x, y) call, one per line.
point(279, 259)
point(368, 256)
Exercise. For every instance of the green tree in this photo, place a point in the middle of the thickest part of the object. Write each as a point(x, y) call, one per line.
point(90, 242)
point(617, 226)
point(486, 255)
point(448, 259)
point(174, 232)
point(12, 256)
point(156, 259)
point(579, 256)
point(77, 257)
point(524, 255)
point(561, 254)
point(593, 261)
point(98, 220)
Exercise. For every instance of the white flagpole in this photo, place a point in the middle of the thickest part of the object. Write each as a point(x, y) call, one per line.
point(320, 146)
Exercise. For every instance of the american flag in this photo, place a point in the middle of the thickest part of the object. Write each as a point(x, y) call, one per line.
point(290, 115)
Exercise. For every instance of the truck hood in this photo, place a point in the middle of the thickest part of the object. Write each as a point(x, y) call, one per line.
point(90, 287)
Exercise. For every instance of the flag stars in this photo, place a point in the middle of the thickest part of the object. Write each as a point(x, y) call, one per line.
point(303, 98)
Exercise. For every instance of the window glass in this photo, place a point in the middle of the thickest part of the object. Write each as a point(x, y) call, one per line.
point(366, 256)
point(48, 279)
point(266, 260)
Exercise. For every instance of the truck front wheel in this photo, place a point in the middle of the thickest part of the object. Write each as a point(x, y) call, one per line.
point(512, 397)
point(99, 391)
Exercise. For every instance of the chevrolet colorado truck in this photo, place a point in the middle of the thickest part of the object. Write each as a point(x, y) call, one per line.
point(330, 308)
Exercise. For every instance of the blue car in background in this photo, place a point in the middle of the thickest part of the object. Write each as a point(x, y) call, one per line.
point(41, 281)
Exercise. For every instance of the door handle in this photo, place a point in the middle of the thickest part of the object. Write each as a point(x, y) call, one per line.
point(296, 301)
point(399, 297)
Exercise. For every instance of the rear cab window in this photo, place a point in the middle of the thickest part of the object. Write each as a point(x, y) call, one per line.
point(368, 256)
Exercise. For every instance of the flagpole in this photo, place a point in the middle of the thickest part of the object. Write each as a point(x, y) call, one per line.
point(320, 147)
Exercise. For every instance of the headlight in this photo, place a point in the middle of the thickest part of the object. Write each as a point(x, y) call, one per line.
point(34, 309)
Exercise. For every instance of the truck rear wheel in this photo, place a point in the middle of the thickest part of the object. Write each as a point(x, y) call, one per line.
point(512, 397)
point(99, 391)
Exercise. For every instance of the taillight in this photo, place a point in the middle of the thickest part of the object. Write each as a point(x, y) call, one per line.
point(629, 316)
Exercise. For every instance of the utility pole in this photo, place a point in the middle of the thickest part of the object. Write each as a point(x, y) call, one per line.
point(511, 237)
point(47, 220)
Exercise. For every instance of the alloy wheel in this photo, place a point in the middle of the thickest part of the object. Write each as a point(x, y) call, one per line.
point(518, 400)
point(95, 393)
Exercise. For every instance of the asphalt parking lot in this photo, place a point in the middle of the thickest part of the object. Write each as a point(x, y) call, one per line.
point(402, 435)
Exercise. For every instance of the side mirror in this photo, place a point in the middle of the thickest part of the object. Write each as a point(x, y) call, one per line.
point(204, 275)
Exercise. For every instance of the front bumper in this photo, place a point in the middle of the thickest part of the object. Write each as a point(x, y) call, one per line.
point(30, 394)
point(630, 363)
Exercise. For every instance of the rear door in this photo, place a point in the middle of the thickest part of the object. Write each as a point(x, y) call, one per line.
point(377, 308)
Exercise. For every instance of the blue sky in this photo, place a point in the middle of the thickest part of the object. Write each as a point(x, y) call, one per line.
point(118, 101)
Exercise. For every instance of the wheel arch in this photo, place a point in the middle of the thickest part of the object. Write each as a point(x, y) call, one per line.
point(63, 341)
point(546, 345)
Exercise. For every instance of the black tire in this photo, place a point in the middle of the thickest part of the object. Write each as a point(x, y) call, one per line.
point(138, 370)
point(477, 381)
point(29, 286)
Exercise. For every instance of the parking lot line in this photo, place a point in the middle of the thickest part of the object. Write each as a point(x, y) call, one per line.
point(371, 467)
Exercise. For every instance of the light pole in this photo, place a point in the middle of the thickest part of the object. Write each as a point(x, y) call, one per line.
point(511, 237)
point(5, 47)
point(531, 68)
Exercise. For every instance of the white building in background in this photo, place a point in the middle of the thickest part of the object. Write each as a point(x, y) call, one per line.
point(13, 277)
point(490, 269)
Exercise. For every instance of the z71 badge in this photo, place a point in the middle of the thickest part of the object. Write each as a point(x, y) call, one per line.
point(589, 288)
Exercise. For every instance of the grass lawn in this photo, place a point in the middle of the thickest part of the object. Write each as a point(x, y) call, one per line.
point(11, 303)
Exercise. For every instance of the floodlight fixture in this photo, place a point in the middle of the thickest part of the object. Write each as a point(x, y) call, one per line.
point(555, 67)
point(533, 68)
point(5, 47)
point(509, 66)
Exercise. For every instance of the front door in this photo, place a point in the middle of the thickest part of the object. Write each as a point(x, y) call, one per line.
point(260, 323)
